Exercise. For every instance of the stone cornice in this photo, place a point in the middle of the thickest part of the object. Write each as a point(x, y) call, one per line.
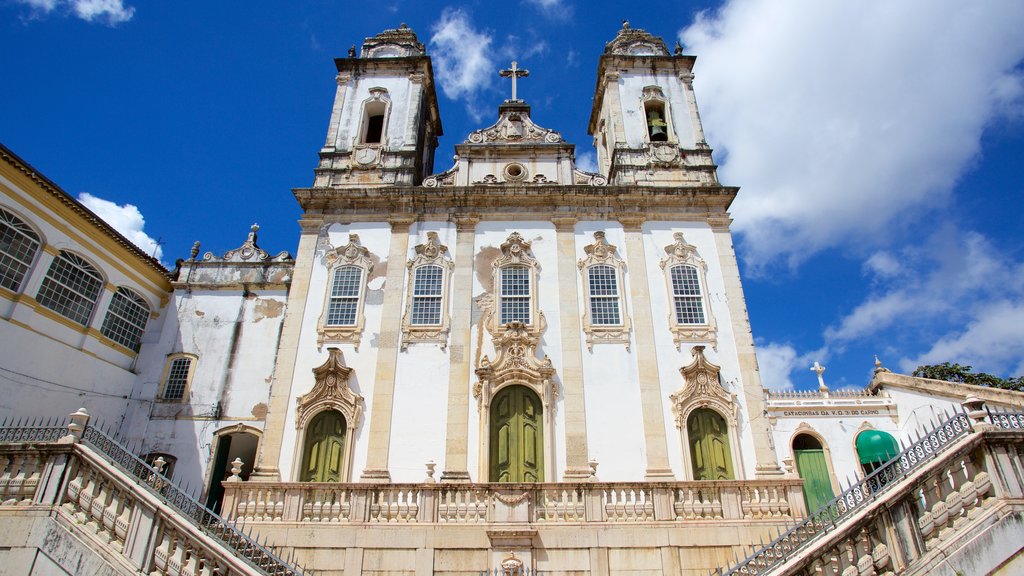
point(697, 203)
point(956, 390)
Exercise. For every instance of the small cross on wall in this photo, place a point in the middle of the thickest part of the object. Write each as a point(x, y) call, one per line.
point(514, 73)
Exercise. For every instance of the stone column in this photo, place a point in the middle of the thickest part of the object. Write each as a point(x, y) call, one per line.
point(766, 461)
point(658, 469)
point(387, 355)
point(691, 103)
point(576, 467)
point(457, 436)
point(611, 98)
point(266, 468)
point(339, 105)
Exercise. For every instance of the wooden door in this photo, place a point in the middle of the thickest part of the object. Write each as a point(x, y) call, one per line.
point(811, 465)
point(324, 454)
point(516, 436)
point(709, 445)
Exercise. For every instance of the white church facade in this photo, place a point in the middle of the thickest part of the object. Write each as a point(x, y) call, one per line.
point(511, 359)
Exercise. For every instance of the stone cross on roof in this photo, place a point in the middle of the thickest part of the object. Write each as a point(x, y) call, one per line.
point(819, 370)
point(514, 72)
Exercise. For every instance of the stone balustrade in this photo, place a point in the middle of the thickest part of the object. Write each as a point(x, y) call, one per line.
point(540, 503)
point(923, 512)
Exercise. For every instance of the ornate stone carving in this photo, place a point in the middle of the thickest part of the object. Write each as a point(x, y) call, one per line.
point(636, 42)
point(601, 253)
point(330, 391)
point(588, 178)
point(516, 363)
point(247, 252)
point(446, 178)
point(351, 254)
point(393, 43)
point(430, 253)
point(515, 251)
point(681, 253)
point(514, 127)
point(702, 389)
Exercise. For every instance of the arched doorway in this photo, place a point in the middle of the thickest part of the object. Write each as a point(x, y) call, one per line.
point(516, 436)
point(709, 445)
point(236, 442)
point(875, 448)
point(323, 457)
point(812, 466)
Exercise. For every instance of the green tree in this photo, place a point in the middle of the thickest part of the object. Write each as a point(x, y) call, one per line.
point(960, 373)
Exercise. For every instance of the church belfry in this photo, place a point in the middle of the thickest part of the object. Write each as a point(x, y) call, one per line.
point(645, 123)
point(385, 122)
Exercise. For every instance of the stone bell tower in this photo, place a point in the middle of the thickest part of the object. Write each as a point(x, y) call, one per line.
point(645, 123)
point(385, 123)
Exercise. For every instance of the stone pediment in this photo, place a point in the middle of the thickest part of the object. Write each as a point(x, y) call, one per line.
point(636, 42)
point(393, 43)
point(514, 126)
point(516, 360)
point(249, 251)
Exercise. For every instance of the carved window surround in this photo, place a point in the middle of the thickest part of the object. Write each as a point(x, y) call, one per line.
point(331, 391)
point(368, 154)
point(430, 253)
point(602, 255)
point(516, 363)
point(680, 253)
point(351, 254)
point(515, 251)
point(702, 389)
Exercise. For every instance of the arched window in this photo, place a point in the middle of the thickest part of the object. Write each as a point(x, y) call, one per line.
point(709, 445)
point(516, 436)
point(656, 115)
point(177, 377)
point(323, 456)
point(685, 276)
point(342, 319)
point(375, 112)
point(346, 289)
point(515, 294)
point(687, 301)
point(875, 448)
point(605, 319)
point(71, 288)
point(126, 319)
point(812, 466)
point(426, 313)
point(18, 247)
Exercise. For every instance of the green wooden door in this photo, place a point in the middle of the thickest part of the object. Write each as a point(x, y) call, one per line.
point(709, 445)
point(517, 436)
point(324, 454)
point(810, 464)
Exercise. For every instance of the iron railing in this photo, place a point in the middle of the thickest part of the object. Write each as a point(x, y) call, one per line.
point(241, 544)
point(211, 523)
point(1007, 420)
point(855, 498)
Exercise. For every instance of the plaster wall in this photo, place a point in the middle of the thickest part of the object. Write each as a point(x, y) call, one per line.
point(722, 352)
point(399, 92)
point(631, 85)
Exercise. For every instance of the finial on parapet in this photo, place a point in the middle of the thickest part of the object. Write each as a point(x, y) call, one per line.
point(195, 250)
point(679, 48)
point(879, 367)
point(625, 24)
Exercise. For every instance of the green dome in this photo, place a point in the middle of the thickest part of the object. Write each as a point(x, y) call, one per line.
point(876, 446)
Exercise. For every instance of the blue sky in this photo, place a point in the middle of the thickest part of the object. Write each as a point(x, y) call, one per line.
point(877, 144)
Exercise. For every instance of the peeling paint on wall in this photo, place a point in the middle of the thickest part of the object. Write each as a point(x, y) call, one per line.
point(267, 309)
point(482, 264)
point(259, 411)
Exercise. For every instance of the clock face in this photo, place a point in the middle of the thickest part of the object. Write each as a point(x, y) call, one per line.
point(665, 153)
point(366, 155)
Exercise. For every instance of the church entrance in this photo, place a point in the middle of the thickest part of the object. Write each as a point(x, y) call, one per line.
point(812, 467)
point(517, 436)
point(709, 445)
point(324, 453)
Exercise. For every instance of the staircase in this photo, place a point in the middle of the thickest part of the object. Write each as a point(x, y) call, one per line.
point(93, 506)
point(951, 502)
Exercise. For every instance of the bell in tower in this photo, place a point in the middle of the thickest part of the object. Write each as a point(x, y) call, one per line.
point(385, 122)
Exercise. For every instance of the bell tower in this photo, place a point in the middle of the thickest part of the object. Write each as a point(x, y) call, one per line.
point(644, 122)
point(385, 123)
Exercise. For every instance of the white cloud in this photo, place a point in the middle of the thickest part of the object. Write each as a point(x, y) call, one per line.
point(125, 219)
point(105, 11)
point(838, 118)
point(991, 342)
point(587, 161)
point(555, 9)
point(461, 55)
point(883, 264)
point(777, 363)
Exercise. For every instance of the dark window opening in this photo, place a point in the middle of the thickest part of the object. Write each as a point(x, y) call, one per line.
point(657, 128)
point(374, 128)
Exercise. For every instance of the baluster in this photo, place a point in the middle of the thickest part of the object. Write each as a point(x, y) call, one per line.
point(28, 488)
point(121, 524)
point(176, 559)
point(109, 515)
point(10, 482)
point(162, 553)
